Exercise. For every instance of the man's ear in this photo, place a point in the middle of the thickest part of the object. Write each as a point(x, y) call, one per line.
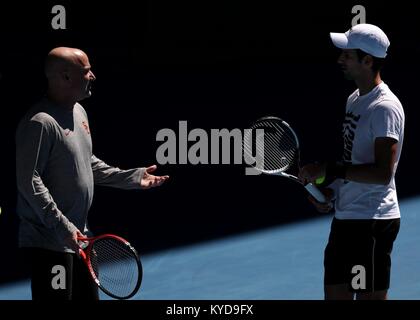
point(368, 61)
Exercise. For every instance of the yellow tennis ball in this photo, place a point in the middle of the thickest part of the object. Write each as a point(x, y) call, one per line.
point(320, 180)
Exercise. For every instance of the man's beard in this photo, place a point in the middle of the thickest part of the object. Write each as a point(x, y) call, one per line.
point(347, 76)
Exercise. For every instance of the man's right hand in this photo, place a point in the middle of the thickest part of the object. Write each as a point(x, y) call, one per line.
point(328, 205)
point(72, 243)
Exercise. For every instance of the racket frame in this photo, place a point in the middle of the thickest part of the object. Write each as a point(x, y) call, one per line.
point(310, 187)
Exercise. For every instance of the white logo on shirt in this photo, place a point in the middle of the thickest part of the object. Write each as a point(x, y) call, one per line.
point(349, 127)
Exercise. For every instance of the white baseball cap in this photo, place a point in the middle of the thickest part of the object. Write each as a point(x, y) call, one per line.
point(366, 37)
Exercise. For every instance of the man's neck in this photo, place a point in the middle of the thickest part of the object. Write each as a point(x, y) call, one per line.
point(366, 84)
point(61, 101)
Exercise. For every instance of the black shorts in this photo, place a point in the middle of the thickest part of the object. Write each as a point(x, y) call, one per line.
point(78, 282)
point(356, 245)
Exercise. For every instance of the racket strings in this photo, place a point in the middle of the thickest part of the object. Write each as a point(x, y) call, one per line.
point(264, 159)
point(285, 139)
point(260, 141)
point(115, 266)
point(276, 149)
point(281, 148)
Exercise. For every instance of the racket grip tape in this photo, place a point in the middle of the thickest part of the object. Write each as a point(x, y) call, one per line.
point(316, 193)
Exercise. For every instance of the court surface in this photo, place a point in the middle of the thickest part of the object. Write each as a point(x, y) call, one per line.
point(280, 263)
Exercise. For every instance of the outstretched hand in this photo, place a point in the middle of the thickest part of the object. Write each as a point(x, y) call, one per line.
point(150, 181)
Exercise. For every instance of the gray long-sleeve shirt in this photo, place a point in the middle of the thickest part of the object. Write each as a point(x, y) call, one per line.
point(56, 172)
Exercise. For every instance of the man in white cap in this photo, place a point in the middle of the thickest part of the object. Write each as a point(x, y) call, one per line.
point(361, 186)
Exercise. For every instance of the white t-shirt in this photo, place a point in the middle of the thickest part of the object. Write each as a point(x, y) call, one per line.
point(378, 113)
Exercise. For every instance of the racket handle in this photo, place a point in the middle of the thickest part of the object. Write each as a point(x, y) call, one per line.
point(314, 191)
point(82, 254)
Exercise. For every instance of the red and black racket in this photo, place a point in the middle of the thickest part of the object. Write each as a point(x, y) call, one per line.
point(114, 264)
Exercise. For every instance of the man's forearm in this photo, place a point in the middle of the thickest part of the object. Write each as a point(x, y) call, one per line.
point(363, 173)
point(106, 175)
point(368, 173)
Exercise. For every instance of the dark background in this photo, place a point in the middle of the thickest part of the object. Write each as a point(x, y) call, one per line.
point(216, 65)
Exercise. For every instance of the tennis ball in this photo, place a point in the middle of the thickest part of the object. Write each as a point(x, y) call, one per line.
point(320, 180)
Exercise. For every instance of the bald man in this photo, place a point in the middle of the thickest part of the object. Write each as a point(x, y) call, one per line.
point(56, 174)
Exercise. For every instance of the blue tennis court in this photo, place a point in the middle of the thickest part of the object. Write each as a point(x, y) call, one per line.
point(284, 263)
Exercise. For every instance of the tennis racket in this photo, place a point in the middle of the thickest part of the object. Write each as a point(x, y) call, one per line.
point(113, 263)
point(276, 148)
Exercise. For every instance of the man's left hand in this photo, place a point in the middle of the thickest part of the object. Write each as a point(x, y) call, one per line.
point(150, 181)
